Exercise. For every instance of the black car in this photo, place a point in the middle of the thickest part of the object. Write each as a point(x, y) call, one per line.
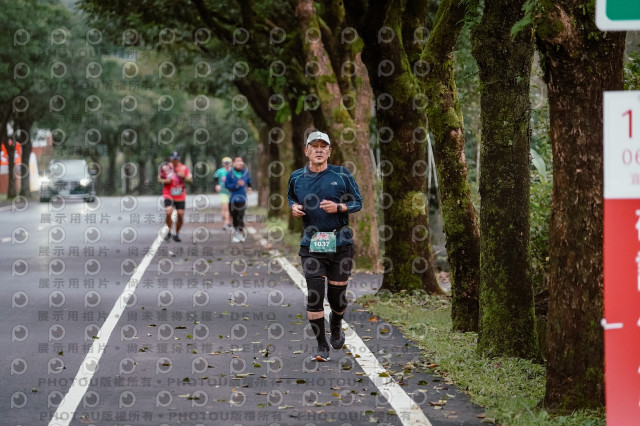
point(69, 179)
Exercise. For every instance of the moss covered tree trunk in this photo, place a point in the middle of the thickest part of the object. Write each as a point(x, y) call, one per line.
point(258, 97)
point(447, 125)
point(580, 62)
point(507, 320)
point(285, 166)
point(273, 173)
point(301, 122)
point(390, 54)
point(263, 166)
point(341, 83)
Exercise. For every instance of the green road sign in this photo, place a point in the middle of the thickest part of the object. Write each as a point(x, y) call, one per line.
point(618, 15)
point(623, 10)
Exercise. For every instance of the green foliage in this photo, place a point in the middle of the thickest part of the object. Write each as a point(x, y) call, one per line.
point(541, 185)
point(527, 20)
point(468, 86)
point(632, 72)
point(540, 216)
point(474, 12)
point(37, 40)
point(121, 112)
point(510, 389)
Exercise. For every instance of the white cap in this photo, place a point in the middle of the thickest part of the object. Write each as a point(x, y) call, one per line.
point(315, 136)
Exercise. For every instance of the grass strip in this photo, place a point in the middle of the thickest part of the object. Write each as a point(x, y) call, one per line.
point(510, 389)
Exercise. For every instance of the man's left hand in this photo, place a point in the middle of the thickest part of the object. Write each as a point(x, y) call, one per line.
point(329, 206)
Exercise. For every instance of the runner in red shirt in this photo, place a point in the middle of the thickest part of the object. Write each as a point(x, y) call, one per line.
point(174, 175)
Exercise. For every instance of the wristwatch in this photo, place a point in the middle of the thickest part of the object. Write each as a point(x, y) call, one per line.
point(339, 208)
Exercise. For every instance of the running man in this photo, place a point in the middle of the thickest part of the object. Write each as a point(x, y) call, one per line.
point(239, 183)
point(323, 195)
point(220, 176)
point(174, 176)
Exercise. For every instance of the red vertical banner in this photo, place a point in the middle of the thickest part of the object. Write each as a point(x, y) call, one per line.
point(621, 254)
point(622, 311)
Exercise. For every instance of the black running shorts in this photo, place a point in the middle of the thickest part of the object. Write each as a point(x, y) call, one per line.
point(335, 266)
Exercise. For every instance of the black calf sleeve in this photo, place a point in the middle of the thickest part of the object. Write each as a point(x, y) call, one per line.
point(337, 296)
point(317, 325)
point(315, 294)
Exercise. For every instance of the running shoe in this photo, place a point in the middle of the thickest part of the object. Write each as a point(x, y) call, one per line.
point(176, 238)
point(322, 354)
point(337, 335)
point(168, 236)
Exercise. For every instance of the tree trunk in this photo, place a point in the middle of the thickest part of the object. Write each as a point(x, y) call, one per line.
point(110, 184)
point(507, 320)
point(273, 148)
point(408, 258)
point(301, 122)
point(25, 176)
point(263, 166)
point(345, 102)
point(10, 147)
point(284, 167)
point(447, 126)
point(258, 98)
point(27, 144)
point(358, 153)
point(581, 62)
point(143, 183)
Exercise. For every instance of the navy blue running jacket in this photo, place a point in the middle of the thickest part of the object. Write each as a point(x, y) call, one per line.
point(334, 184)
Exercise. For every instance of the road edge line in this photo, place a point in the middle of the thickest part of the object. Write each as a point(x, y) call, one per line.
point(82, 380)
point(409, 413)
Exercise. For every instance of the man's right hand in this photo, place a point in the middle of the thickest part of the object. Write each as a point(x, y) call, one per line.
point(296, 210)
point(240, 183)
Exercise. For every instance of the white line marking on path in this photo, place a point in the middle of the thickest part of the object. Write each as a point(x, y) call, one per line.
point(6, 239)
point(409, 413)
point(67, 408)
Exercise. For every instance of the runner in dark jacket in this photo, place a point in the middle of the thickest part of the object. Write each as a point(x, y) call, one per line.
point(323, 195)
point(238, 182)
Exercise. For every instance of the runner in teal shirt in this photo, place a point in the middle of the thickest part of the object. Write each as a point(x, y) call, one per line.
point(220, 177)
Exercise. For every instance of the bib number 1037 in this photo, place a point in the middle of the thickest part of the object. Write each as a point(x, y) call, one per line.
point(323, 242)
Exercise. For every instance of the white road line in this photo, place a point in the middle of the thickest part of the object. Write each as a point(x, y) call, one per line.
point(66, 409)
point(6, 239)
point(409, 413)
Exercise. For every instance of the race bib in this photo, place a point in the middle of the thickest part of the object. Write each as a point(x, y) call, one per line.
point(176, 190)
point(323, 242)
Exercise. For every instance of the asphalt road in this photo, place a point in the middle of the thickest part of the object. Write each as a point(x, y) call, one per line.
point(105, 323)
